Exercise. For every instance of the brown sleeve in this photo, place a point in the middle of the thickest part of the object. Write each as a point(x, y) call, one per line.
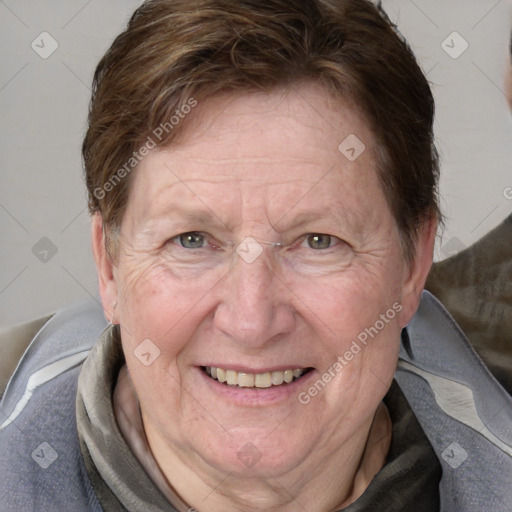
point(475, 286)
point(13, 343)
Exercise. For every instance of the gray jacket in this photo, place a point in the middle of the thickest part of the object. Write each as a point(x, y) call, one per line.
point(463, 410)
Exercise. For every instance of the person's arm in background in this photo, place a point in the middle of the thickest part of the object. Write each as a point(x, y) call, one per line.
point(475, 285)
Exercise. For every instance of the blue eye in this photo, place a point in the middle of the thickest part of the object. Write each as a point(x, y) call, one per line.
point(191, 240)
point(319, 241)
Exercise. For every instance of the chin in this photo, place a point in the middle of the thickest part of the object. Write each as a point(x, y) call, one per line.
point(254, 455)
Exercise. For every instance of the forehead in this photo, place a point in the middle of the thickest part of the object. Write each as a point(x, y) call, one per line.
point(295, 122)
point(254, 147)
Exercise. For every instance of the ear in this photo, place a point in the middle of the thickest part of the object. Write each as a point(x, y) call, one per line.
point(105, 268)
point(417, 271)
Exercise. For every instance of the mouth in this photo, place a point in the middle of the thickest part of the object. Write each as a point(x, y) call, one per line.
point(264, 380)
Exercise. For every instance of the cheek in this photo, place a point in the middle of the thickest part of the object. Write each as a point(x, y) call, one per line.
point(355, 318)
point(158, 305)
point(345, 304)
point(160, 316)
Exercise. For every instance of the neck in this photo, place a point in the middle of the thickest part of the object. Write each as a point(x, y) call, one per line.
point(327, 481)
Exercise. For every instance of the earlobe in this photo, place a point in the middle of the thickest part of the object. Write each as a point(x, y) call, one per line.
point(104, 267)
point(417, 271)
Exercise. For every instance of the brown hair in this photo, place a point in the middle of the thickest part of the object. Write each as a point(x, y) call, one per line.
point(177, 52)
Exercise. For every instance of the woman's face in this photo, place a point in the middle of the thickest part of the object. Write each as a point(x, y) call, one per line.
point(257, 245)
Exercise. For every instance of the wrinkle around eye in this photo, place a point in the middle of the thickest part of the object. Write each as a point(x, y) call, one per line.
point(210, 253)
point(306, 260)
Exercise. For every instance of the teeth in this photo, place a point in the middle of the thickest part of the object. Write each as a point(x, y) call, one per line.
point(221, 375)
point(253, 380)
point(246, 380)
point(231, 377)
point(277, 378)
point(262, 380)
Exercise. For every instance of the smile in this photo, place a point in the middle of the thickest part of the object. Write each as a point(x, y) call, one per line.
point(254, 380)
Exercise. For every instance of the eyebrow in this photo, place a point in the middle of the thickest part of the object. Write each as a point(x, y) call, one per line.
point(205, 218)
point(288, 222)
point(177, 214)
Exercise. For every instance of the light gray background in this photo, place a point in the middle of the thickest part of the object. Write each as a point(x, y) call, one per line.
point(43, 106)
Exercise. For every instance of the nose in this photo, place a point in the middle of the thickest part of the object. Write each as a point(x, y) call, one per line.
point(255, 307)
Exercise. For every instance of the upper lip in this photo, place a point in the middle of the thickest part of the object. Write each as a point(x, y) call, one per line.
point(246, 369)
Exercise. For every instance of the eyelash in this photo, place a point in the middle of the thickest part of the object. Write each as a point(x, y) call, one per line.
point(334, 241)
point(177, 239)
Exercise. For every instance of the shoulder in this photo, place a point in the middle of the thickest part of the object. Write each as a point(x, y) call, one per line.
point(475, 286)
point(40, 457)
point(61, 343)
point(464, 411)
point(13, 342)
point(45, 340)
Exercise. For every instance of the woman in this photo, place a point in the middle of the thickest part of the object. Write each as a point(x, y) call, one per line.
point(263, 188)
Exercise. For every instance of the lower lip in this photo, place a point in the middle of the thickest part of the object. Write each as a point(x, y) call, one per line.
point(256, 396)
